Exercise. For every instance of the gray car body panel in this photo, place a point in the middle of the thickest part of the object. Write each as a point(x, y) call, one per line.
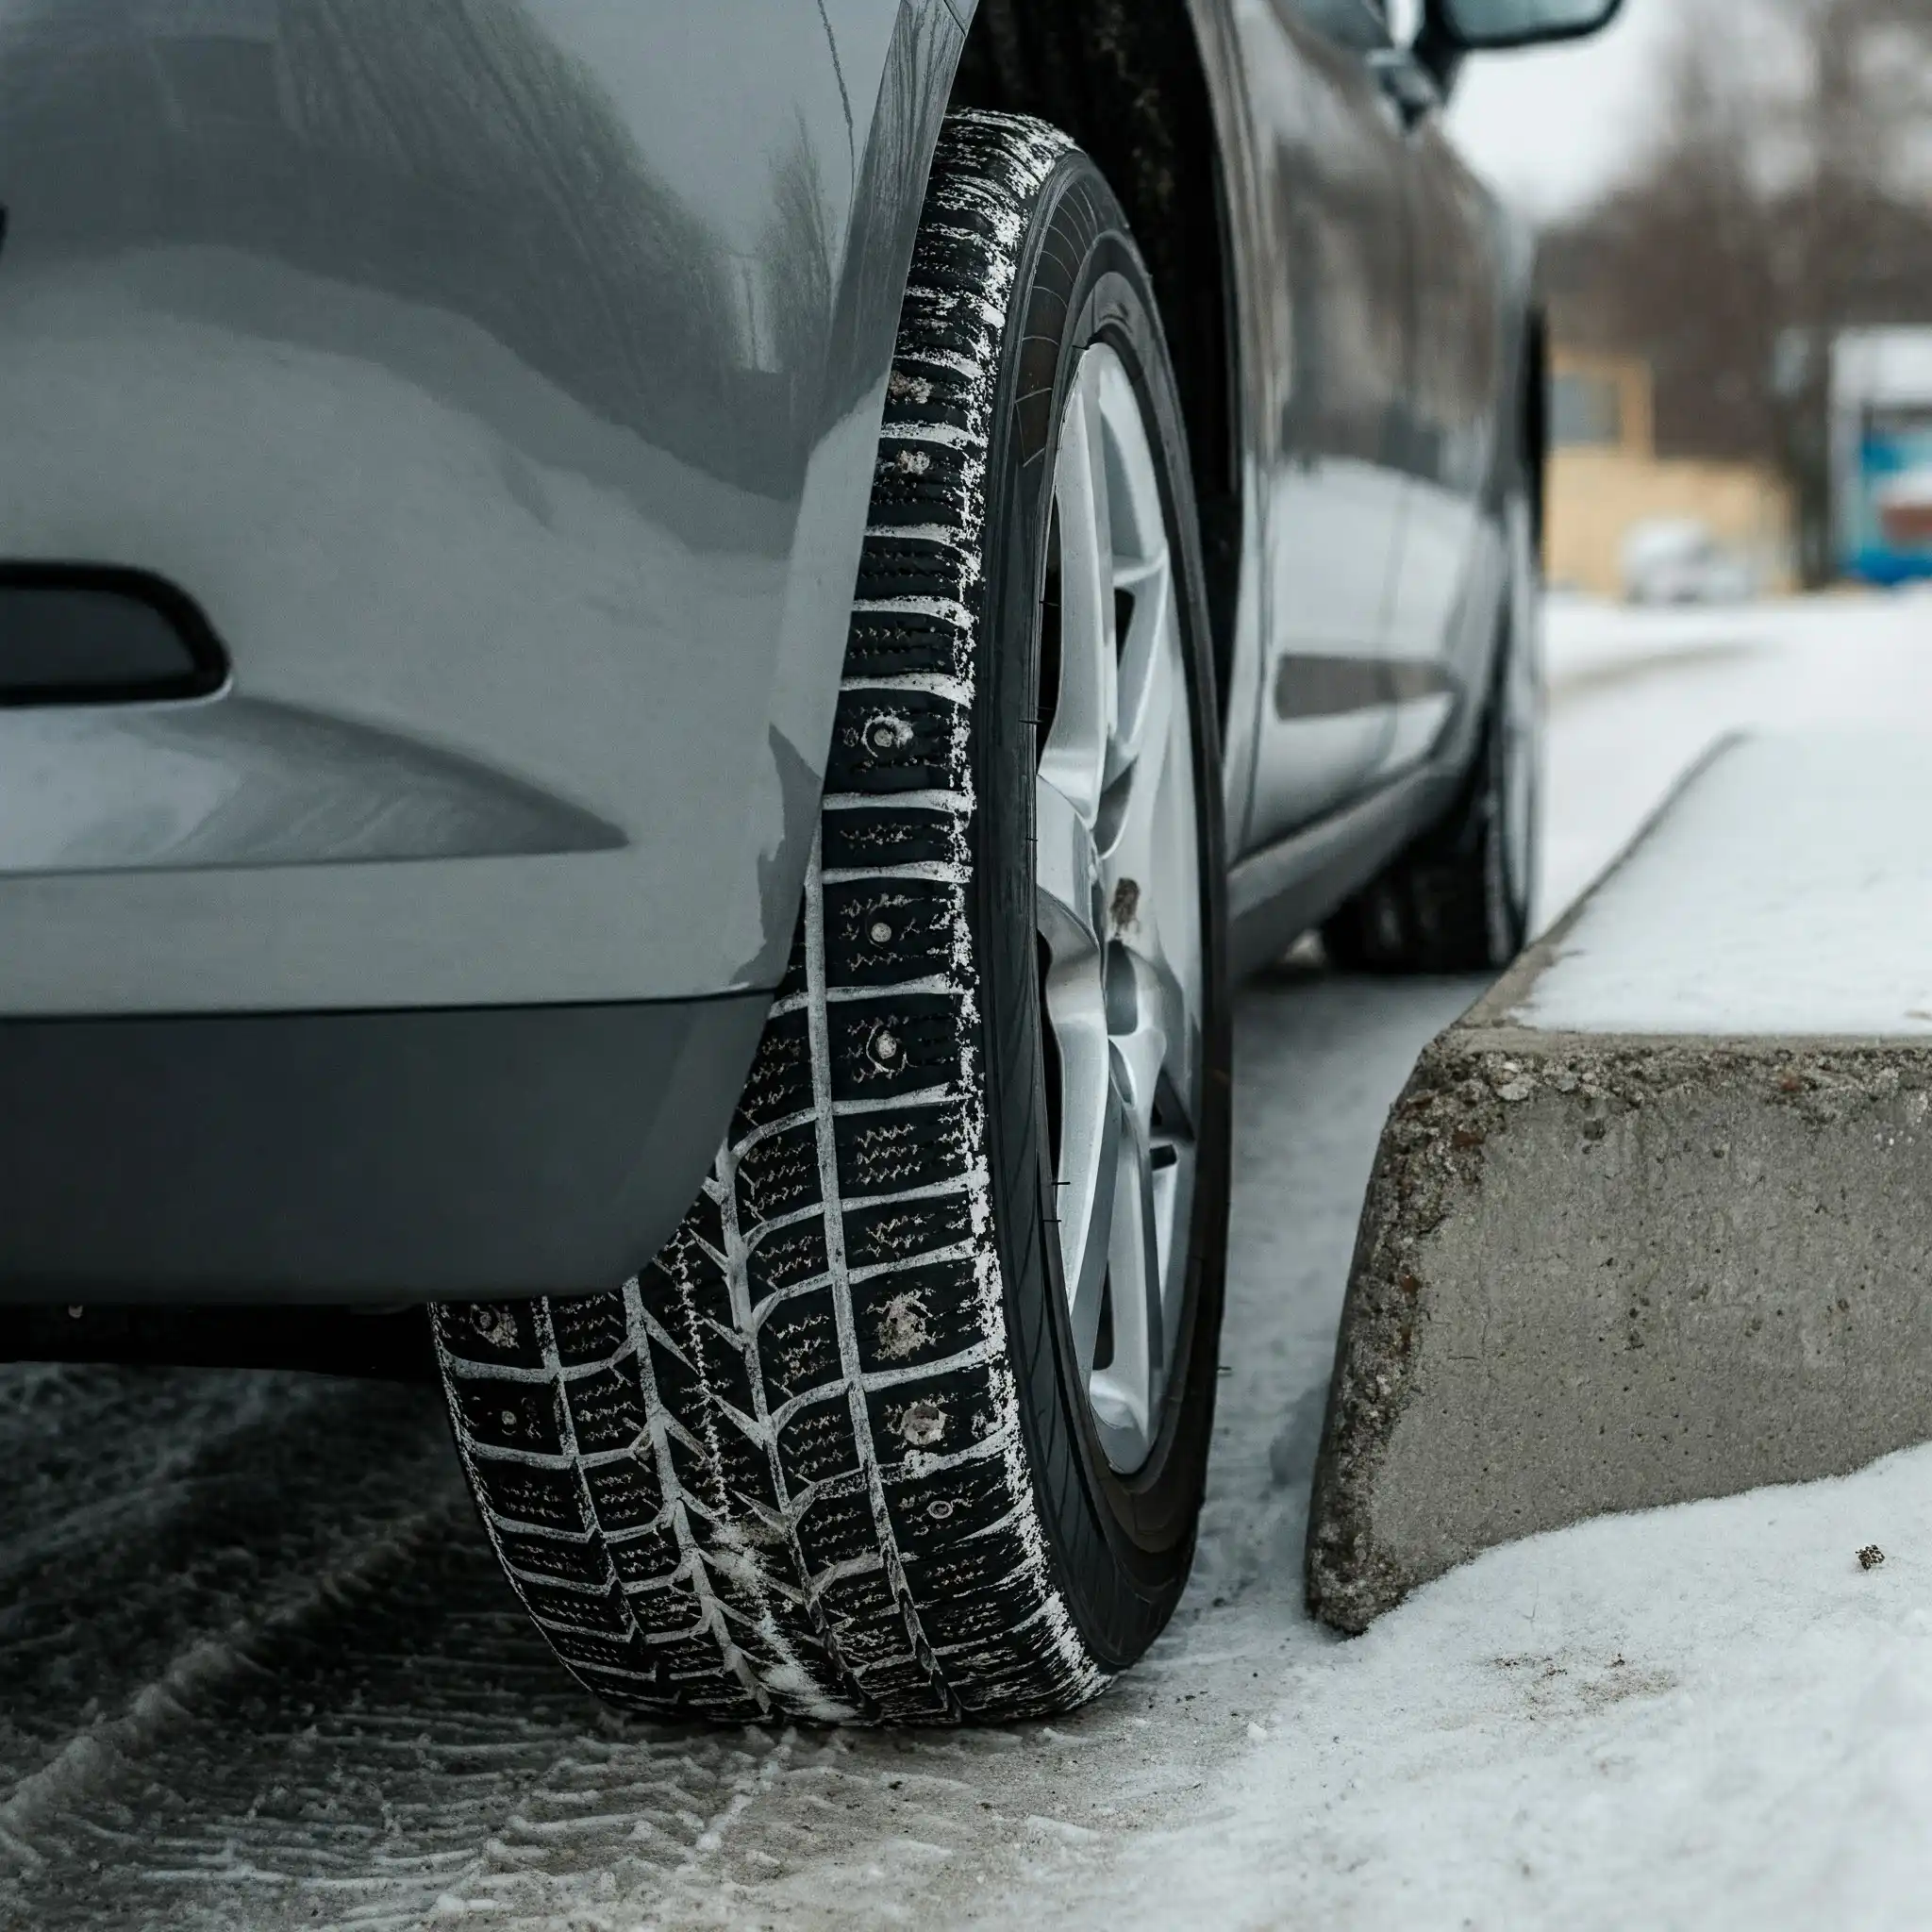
point(502, 378)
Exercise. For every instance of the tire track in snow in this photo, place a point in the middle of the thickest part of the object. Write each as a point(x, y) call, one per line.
point(93, 1756)
point(143, 1514)
point(407, 1752)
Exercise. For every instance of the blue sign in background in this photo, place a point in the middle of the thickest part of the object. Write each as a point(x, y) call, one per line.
point(1892, 455)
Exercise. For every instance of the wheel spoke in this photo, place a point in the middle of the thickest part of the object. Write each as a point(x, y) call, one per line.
point(1073, 759)
point(1151, 696)
point(1150, 870)
point(1174, 1215)
point(1066, 874)
point(1148, 663)
point(1136, 520)
point(1153, 1054)
point(1090, 1122)
point(1137, 1024)
point(1126, 1392)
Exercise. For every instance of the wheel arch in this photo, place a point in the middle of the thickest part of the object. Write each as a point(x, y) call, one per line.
point(1129, 80)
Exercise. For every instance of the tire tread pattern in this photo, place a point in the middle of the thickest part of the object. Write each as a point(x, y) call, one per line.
point(781, 1472)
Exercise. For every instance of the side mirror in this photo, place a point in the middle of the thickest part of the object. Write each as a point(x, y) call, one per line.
point(1480, 26)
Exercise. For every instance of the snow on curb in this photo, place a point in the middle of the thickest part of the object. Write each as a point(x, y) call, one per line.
point(1653, 1222)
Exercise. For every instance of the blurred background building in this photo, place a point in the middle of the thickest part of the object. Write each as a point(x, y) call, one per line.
point(1625, 521)
point(1740, 288)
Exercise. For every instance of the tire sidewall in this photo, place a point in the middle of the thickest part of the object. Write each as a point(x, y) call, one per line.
point(1123, 1545)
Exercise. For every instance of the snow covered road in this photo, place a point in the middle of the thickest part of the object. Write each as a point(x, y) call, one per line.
point(258, 1670)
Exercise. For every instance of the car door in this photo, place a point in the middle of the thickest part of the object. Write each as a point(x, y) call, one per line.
point(1329, 159)
point(1451, 557)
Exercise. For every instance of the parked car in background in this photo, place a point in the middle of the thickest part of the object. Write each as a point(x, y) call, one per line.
point(1677, 560)
point(658, 663)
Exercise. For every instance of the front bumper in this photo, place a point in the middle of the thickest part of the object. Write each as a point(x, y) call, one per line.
point(357, 1157)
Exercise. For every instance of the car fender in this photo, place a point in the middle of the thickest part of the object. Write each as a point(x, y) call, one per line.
point(501, 379)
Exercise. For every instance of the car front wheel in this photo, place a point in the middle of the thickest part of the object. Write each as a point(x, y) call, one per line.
point(910, 1420)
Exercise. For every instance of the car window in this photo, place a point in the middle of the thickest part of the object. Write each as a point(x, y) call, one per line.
point(1359, 25)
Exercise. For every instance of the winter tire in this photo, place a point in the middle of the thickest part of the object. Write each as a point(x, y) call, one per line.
point(1460, 898)
point(910, 1420)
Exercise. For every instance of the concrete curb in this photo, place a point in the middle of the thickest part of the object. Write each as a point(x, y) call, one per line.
point(1604, 1272)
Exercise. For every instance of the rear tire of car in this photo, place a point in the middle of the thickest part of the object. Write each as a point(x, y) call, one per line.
point(847, 1450)
point(1460, 897)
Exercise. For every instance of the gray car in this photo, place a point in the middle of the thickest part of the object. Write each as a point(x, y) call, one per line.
point(655, 664)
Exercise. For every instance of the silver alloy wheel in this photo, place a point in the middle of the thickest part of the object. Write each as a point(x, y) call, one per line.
point(1117, 877)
